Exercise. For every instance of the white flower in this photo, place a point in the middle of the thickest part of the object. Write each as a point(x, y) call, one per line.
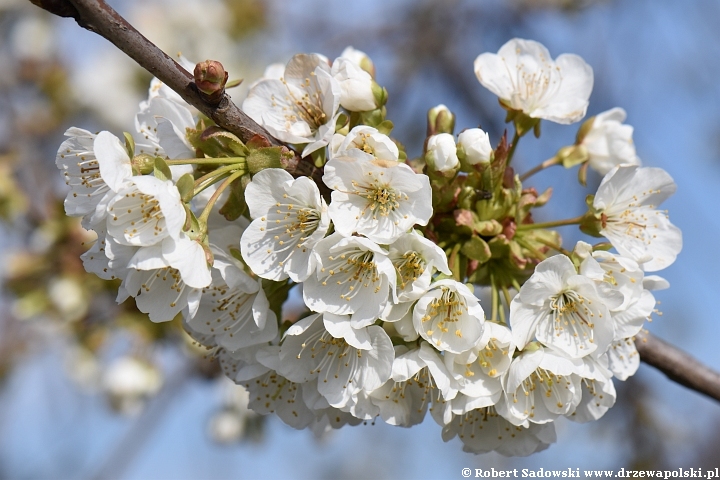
point(623, 358)
point(414, 258)
point(369, 140)
point(309, 351)
point(475, 143)
point(626, 201)
point(598, 391)
point(562, 309)
point(129, 382)
point(356, 92)
point(484, 430)
point(378, 199)
point(353, 277)
point(526, 78)
point(234, 308)
point(360, 59)
point(449, 317)
point(299, 108)
point(94, 167)
point(479, 370)
point(441, 153)
point(540, 386)
point(145, 211)
point(159, 289)
point(609, 142)
point(290, 218)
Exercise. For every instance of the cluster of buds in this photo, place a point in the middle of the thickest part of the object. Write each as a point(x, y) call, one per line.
point(428, 285)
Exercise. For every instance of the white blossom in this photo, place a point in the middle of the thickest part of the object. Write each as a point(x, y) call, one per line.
point(290, 219)
point(299, 108)
point(441, 153)
point(540, 386)
point(526, 78)
point(94, 166)
point(623, 358)
point(627, 201)
point(356, 85)
point(475, 144)
point(484, 430)
point(598, 391)
point(145, 211)
point(609, 142)
point(129, 382)
point(369, 140)
point(378, 199)
point(562, 309)
point(415, 258)
point(478, 371)
point(354, 277)
point(449, 317)
point(309, 351)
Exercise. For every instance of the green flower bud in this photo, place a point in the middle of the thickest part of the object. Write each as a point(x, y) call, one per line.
point(210, 78)
point(143, 164)
point(440, 120)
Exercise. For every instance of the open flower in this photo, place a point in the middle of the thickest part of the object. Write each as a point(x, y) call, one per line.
point(527, 79)
point(299, 108)
point(562, 309)
point(290, 218)
point(626, 203)
point(354, 277)
point(376, 198)
point(449, 317)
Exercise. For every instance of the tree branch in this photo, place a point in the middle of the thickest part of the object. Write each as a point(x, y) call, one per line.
point(677, 365)
point(100, 18)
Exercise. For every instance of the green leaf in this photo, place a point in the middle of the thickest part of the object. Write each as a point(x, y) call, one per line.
point(235, 205)
point(161, 169)
point(186, 187)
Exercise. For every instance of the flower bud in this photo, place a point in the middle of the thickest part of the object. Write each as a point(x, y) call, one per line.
point(441, 154)
point(475, 146)
point(440, 120)
point(210, 78)
point(360, 59)
point(356, 86)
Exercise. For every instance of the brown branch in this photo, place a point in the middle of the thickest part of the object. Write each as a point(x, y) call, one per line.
point(677, 365)
point(98, 17)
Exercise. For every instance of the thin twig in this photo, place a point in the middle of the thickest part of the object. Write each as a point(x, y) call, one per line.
point(100, 18)
point(677, 365)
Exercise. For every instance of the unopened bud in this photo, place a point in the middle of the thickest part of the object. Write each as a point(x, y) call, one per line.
point(441, 156)
point(475, 146)
point(143, 163)
point(440, 120)
point(210, 78)
point(360, 59)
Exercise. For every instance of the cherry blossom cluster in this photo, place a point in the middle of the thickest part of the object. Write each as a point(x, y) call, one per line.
point(391, 254)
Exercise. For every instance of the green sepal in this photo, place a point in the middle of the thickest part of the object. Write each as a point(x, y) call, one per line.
point(161, 169)
point(192, 225)
point(216, 142)
point(186, 187)
point(582, 174)
point(592, 224)
point(235, 205)
point(573, 155)
point(319, 158)
point(385, 127)
point(524, 124)
point(129, 144)
point(264, 157)
point(477, 249)
point(373, 118)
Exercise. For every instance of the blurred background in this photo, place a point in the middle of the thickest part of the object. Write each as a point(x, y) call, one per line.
point(90, 389)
